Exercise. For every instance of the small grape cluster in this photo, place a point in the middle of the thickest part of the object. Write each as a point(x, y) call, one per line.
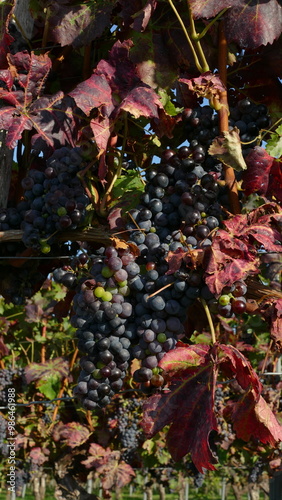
point(104, 328)
point(7, 379)
point(198, 477)
point(3, 435)
point(56, 198)
point(17, 287)
point(225, 432)
point(256, 472)
point(232, 300)
point(22, 478)
point(128, 417)
point(202, 122)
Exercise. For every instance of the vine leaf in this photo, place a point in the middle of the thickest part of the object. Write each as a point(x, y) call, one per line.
point(249, 24)
point(114, 88)
point(252, 417)
point(275, 181)
point(114, 472)
point(38, 371)
point(135, 17)
point(233, 253)
point(229, 259)
point(256, 178)
point(5, 39)
point(78, 25)
point(97, 456)
point(187, 407)
point(188, 403)
point(191, 258)
point(55, 118)
point(72, 434)
point(38, 455)
point(274, 143)
point(274, 315)
point(228, 150)
point(207, 85)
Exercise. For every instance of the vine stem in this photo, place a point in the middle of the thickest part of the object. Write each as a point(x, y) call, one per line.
point(208, 314)
point(43, 348)
point(223, 112)
point(196, 39)
point(266, 356)
point(64, 384)
point(47, 12)
point(117, 174)
point(196, 59)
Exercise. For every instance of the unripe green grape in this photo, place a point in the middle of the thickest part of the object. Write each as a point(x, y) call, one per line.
point(224, 300)
point(122, 283)
point(61, 211)
point(100, 365)
point(161, 337)
point(99, 291)
point(106, 272)
point(106, 297)
point(45, 248)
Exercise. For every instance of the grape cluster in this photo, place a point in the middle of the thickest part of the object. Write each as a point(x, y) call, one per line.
point(128, 416)
point(22, 478)
point(56, 198)
point(256, 472)
point(225, 435)
point(176, 214)
point(105, 330)
point(202, 122)
point(3, 435)
point(17, 287)
point(232, 300)
point(8, 376)
point(198, 477)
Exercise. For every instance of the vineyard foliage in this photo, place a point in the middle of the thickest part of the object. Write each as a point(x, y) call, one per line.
point(141, 243)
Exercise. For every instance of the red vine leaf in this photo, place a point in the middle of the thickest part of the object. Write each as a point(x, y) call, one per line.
point(7, 9)
point(188, 407)
point(39, 371)
point(54, 118)
point(275, 181)
point(249, 24)
point(188, 403)
point(261, 226)
point(115, 474)
point(256, 177)
point(274, 316)
point(191, 258)
point(229, 259)
point(97, 456)
point(72, 434)
point(115, 87)
point(33, 313)
point(181, 359)
point(207, 85)
point(252, 417)
point(94, 93)
point(234, 365)
point(37, 455)
point(78, 25)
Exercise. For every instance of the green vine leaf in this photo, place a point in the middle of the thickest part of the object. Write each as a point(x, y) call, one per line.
point(274, 144)
point(167, 103)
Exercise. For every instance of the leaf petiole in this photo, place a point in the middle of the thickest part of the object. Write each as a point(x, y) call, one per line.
point(210, 321)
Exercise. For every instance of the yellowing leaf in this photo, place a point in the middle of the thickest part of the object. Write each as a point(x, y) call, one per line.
point(228, 150)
